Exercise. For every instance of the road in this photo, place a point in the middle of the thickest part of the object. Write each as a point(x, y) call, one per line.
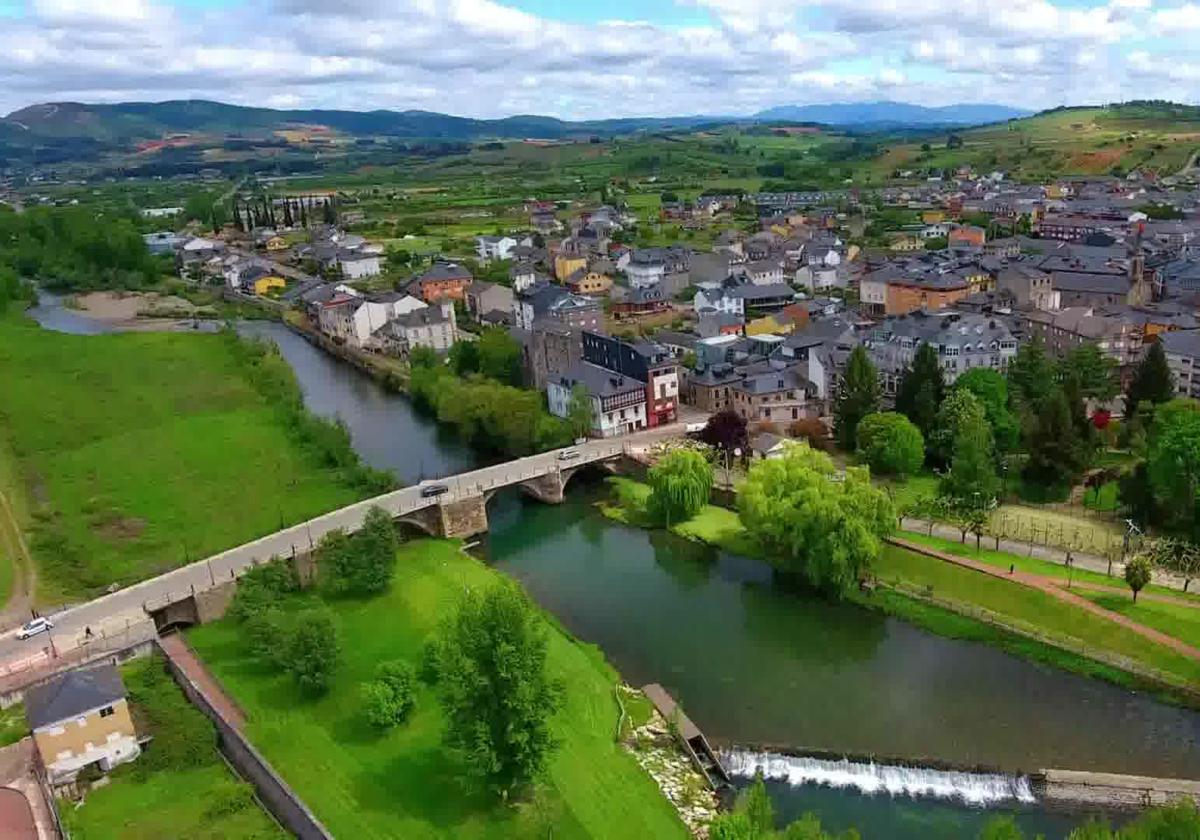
point(116, 613)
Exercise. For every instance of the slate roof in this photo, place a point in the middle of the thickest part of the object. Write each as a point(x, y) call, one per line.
point(1181, 343)
point(70, 694)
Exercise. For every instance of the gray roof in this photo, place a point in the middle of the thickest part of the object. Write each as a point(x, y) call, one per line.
point(1181, 343)
point(445, 271)
point(600, 382)
point(772, 291)
point(70, 694)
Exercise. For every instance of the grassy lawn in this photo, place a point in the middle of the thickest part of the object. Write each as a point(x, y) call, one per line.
point(403, 784)
point(141, 451)
point(12, 724)
point(1020, 605)
point(1175, 620)
point(13, 515)
point(153, 797)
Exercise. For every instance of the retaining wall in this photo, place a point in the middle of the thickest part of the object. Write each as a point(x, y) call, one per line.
point(272, 790)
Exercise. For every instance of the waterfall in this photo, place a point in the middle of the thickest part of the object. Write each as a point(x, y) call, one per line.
point(978, 789)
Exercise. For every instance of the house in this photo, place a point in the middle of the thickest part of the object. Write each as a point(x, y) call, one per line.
point(276, 243)
point(263, 284)
point(547, 350)
point(357, 264)
point(483, 298)
point(713, 323)
point(643, 300)
point(907, 242)
point(567, 263)
point(966, 238)
point(762, 272)
point(431, 326)
point(81, 719)
point(646, 267)
point(909, 293)
point(769, 392)
point(720, 300)
point(1028, 286)
point(494, 247)
point(708, 389)
point(963, 341)
point(774, 296)
point(555, 303)
point(618, 401)
point(588, 282)
point(442, 281)
point(647, 362)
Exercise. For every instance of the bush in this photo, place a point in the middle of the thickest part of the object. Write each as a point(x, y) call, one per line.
point(388, 700)
point(312, 650)
point(812, 430)
point(361, 563)
point(262, 587)
point(890, 443)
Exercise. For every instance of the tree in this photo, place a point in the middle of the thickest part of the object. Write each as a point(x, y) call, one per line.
point(1152, 381)
point(890, 443)
point(753, 818)
point(989, 387)
point(581, 413)
point(1054, 456)
point(1091, 372)
point(921, 390)
point(680, 485)
point(1137, 574)
point(972, 475)
point(815, 523)
point(493, 684)
point(361, 563)
point(1173, 467)
point(390, 697)
point(857, 397)
point(1001, 828)
point(464, 357)
point(959, 405)
point(726, 431)
point(500, 356)
point(312, 650)
point(1030, 375)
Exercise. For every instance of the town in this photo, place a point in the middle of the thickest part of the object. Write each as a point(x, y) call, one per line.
point(737, 479)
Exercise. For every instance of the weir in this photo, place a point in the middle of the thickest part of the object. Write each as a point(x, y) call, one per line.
point(977, 789)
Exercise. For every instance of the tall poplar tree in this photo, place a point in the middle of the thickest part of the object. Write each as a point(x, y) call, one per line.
point(857, 397)
point(922, 389)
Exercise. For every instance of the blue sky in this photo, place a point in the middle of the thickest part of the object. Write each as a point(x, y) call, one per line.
point(575, 59)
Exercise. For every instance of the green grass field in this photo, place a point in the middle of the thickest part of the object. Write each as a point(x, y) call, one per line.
point(13, 518)
point(140, 451)
point(1176, 620)
point(200, 799)
point(403, 784)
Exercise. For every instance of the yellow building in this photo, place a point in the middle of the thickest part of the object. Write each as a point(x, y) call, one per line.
point(567, 264)
point(584, 282)
point(907, 243)
point(264, 284)
point(80, 719)
point(933, 217)
point(277, 243)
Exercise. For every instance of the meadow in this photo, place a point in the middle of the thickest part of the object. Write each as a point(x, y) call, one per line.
point(139, 452)
point(402, 783)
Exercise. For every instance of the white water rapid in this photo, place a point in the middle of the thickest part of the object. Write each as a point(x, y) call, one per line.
point(978, 789)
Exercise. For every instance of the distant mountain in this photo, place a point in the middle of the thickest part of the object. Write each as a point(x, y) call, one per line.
point(133, 121)
point(890, 114)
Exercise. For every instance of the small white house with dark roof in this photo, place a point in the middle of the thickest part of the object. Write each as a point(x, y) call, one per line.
point(80, 719)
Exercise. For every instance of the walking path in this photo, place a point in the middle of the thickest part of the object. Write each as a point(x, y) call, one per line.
point(180, 652)
point(1052, 588)
point(1079, 559)
point(16, 611)
point(1142, 596)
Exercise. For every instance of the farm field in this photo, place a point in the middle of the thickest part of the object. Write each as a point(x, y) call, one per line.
point(361, 783)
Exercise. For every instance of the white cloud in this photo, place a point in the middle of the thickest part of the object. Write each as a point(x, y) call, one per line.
point(487, 58)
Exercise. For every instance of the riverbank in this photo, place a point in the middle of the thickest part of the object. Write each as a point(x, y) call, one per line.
point(161, 448)
point(403, 783)
point(960, 603)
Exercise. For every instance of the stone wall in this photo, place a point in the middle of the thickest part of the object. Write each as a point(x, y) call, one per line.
point(463, 519)
point(211, 604)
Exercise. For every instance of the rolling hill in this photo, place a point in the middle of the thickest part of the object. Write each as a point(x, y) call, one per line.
point(892, 114)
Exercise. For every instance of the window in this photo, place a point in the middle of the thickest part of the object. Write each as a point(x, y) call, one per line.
point(106, 712)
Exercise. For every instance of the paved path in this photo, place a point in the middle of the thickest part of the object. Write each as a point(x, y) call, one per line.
point(1190, 603)
point(181, 653)
point(1081, 560)
point(1051, 587)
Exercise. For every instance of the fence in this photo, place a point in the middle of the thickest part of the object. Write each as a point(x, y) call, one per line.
point(272, 790)
point(18, 676)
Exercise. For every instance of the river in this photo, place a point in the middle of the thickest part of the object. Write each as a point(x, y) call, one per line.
point(754, 664)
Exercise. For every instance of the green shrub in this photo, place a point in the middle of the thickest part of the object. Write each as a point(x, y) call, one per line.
point(390, 697)
point(890, 443)
point(227, 798)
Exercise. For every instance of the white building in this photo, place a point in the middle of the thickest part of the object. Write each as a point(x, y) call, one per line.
point(645, 269)
point(763, 272)
point(431, 326)
point(719, 300)
point(494, 247)
point(357, 264)
point(618, 402)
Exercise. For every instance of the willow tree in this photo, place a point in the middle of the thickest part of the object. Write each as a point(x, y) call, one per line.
point(680, 484)
point(821, 525)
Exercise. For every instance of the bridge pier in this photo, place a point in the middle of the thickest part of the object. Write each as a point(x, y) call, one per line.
point(455, 520)
point(548, 488)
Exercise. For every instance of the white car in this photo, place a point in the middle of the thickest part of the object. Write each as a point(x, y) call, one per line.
point(568, 455)
point(32, 628)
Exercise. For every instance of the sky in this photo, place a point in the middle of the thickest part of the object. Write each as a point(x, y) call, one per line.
point(577, 59)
